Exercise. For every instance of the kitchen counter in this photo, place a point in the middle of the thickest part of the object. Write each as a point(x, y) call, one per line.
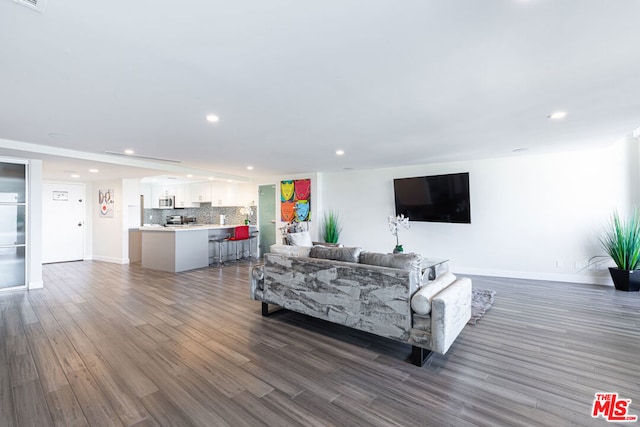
point(192, 227)
point(182, 247)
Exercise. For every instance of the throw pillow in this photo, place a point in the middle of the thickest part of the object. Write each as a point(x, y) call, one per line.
point(299, 251)
point(421, 300)
point(335, 254)
point(408, 262)
point(300, 239)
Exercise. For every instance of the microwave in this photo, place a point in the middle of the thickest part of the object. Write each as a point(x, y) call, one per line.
point(167, 202)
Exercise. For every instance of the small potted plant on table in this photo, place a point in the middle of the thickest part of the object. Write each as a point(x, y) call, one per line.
point(395, 223)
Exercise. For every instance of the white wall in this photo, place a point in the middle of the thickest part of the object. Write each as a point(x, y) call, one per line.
point(536, 216)
point(34, 244)
point(109, 242)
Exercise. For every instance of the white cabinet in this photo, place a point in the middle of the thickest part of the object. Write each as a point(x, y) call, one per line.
point(247, 194)
point(183, 197)
point(200, 192)
point(233, 194)
point(145, 191)
point(156, 192)
point(222, 194)
point(168, 190)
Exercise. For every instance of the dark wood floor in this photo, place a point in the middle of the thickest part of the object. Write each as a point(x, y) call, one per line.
point(107, 344)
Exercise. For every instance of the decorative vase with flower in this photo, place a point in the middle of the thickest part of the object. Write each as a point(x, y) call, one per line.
point(247, 212)
point(395, 223)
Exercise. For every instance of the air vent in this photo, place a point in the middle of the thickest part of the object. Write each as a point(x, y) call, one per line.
point(39, 5)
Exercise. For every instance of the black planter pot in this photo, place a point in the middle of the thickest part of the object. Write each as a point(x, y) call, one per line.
point(625, 280)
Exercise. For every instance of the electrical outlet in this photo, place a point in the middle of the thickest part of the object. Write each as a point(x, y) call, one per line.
point(150, 216)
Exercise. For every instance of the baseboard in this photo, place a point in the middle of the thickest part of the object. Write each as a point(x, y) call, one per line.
point(111, 259)
point(36, 284)
point(601, 279)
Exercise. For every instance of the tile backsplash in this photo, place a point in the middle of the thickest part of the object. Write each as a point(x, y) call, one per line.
point(204, 215)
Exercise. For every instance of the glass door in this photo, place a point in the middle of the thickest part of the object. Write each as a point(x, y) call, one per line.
point(13, 208)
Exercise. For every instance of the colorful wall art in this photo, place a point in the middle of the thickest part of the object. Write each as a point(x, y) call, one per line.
point(295, 200)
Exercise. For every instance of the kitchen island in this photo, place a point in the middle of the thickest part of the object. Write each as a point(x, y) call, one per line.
point(181, 248)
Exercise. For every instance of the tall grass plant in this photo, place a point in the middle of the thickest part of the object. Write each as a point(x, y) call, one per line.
point(622, 241)
point(330, 228)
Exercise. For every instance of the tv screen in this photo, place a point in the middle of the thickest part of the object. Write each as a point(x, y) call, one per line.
point(436, 198)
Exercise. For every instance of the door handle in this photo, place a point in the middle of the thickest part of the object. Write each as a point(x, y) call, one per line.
point(80, 224)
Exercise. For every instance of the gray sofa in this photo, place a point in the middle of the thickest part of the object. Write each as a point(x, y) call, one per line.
point(384, 294)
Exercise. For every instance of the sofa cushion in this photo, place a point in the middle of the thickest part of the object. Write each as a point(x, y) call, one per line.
point(299, 251)
point(335, 254)
point(421, 300)
point(408, 262)
point(302, 238)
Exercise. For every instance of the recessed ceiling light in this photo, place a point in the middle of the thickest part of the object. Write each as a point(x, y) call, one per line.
point(339, 152)
point(129, 151)
point(94, 170)
point(212, 118)
point(75, 175)
point(558, 115)
point(229, 180)
point(211, 178)
point(250, 168)
point(189, 175)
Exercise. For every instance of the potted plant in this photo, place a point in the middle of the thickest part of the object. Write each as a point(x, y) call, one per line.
point(247, 212)
point(622, 243)
point(395, 223)
point(330, 228)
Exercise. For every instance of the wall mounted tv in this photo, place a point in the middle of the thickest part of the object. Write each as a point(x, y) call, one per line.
point(436, 198)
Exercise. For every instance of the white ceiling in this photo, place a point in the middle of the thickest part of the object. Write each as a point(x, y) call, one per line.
point(391, 83)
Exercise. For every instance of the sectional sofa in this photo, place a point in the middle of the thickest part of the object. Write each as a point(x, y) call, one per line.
point(384, 294)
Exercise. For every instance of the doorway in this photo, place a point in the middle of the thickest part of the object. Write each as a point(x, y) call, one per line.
point(63, 222)
point(13, 224)
point(267, 216)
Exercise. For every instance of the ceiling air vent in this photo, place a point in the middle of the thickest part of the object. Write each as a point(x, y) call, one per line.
point(39, 5)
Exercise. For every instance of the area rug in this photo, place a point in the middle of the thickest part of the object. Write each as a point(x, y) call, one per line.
point(481, 302)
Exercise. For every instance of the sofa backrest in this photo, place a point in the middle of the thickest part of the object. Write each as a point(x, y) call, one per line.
point(367, 297)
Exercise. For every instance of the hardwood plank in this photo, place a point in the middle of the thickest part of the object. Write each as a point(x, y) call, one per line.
point(7, 409)
point(31, 406)
point(95, 405)
point(65, 409)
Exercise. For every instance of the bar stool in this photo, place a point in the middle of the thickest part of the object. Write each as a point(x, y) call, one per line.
point(240, 234)
point(220, 240)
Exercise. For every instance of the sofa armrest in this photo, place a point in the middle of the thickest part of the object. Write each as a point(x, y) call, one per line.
point(257, 282)
point(450, 312)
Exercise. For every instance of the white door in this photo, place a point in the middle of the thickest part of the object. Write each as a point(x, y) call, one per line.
point(63, 217)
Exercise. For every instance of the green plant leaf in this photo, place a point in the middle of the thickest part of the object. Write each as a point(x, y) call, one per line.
point(330, 228)
point(621, 241)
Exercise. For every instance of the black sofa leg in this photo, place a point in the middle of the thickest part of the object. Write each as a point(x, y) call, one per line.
point(419, 355)
point(265, 309)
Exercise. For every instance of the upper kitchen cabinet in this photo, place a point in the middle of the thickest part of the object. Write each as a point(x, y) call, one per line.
point(201, 192)
point(184, 198)
point(145, 191)
point(247, 194)
point(233, 194)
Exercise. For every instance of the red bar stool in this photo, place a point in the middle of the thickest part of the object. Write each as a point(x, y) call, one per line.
point(241, 233)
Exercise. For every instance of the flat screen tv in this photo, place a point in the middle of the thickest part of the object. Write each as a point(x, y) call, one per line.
point(436, 198)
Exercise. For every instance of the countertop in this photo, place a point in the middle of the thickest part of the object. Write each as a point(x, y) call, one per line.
point(190, 227)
